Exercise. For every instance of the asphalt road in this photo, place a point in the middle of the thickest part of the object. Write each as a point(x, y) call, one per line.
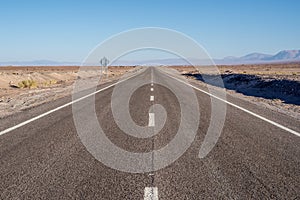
point(252, 159)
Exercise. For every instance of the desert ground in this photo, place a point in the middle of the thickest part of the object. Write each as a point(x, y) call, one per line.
point(276, 86)
point(25, 87)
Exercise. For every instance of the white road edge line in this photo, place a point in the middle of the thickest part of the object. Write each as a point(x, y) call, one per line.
point(151, 89)
point(241, 108)
point(60, 107)
point(151, 98)
point(151, 193)
point(151, 120)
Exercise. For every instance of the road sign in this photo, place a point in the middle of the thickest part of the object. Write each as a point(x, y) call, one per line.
point(104, 66)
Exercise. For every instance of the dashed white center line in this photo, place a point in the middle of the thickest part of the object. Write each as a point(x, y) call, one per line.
point(151, 120)
point(151, 193)
point(151, 98)
point(151, 84)
point(151, 89)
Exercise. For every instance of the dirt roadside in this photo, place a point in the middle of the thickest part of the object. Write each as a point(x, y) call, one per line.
point(25, 87)
point(275, 86)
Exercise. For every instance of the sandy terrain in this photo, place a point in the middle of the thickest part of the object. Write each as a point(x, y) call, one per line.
point(276, 86)
point(47, 84)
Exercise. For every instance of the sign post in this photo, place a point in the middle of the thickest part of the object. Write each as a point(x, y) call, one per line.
point(104, 66)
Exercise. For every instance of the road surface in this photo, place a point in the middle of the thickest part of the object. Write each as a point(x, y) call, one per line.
point(253, 158)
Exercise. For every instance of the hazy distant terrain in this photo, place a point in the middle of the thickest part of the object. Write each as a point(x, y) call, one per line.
point(252, 58)
point(286, 55)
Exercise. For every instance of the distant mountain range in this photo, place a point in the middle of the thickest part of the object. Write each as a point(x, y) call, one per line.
point(253, 58)
point(286, 55)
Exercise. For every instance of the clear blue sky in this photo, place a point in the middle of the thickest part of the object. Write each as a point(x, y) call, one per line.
point(66, 30)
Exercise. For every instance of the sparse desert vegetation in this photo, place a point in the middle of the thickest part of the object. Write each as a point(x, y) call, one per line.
point(276, 86)
point(31, 84)
point(24, 87)
point(283, 70)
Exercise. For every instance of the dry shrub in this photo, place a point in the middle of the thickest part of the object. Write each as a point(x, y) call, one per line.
point(28, 84)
